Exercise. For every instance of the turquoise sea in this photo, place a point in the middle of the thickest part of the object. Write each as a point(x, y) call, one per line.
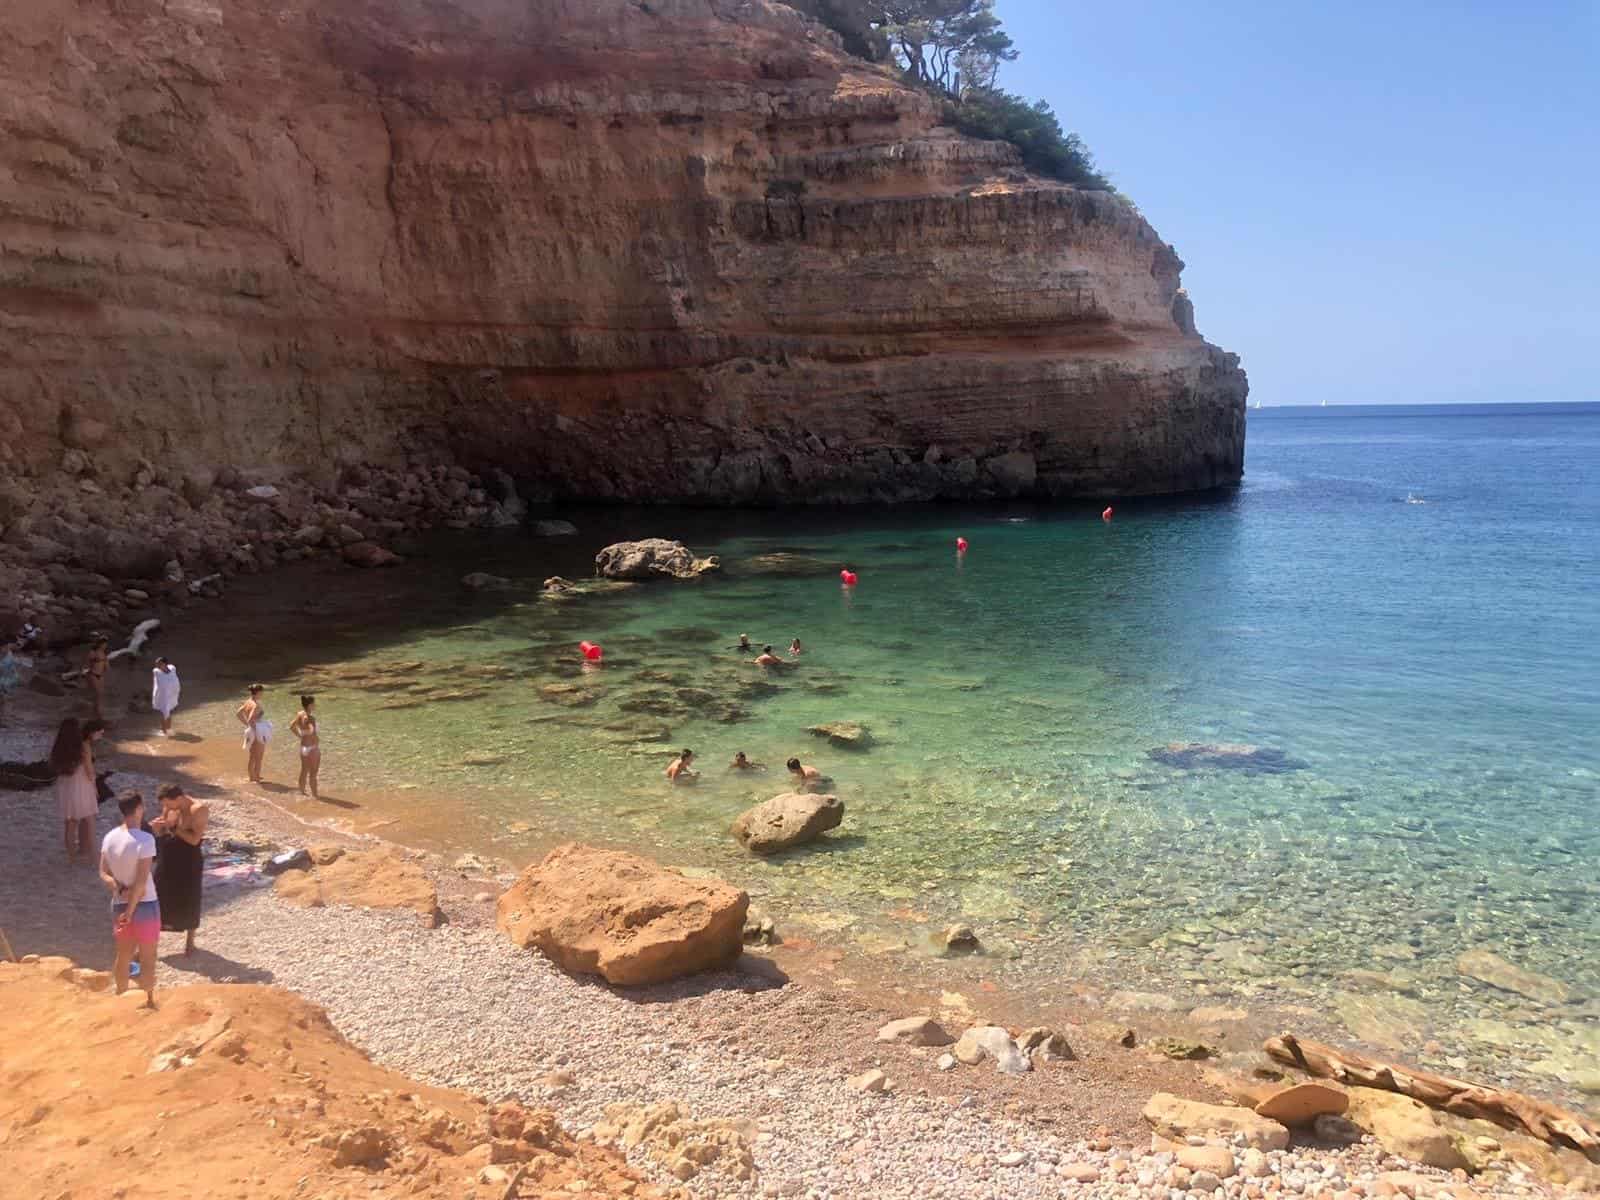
point(1400, 607)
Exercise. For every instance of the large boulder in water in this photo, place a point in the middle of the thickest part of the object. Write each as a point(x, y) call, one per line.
point(622, 917)
point(652, 558)
point(787, 820)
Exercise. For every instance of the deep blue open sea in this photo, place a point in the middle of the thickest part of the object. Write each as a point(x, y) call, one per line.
point(1400, 608)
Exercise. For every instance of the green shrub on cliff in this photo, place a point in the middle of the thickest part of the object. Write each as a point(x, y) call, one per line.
point(955, 48)
point(1032, 129)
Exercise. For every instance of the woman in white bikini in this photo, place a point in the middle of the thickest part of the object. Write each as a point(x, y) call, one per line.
point(257, 731)
point(304, 727)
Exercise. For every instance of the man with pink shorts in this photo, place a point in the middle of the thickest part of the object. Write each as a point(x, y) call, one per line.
point(127, 859)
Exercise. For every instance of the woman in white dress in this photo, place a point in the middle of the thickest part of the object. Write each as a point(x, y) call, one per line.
point(164, 689)
point(257, 731)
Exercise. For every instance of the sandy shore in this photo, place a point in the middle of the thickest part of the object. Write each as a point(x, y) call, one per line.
point(771, 1057)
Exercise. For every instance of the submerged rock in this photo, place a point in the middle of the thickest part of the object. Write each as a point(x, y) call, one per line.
point(622, 917)
point(1198, 756)
point(787, 820)
point(652, 558)
point(479, 581)
point(1488, 967)
point(554, 529)
point(370, 554)
point(847, 735)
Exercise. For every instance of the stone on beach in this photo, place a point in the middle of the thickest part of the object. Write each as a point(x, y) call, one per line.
point(1176, 1118)
point(915, 1031)
point(622, 917)
point(1302, 1103)
point(1404, 1126)
point(869, 1081)
point(1043, 1045)
point(787, 820)
point(651, 558)
point(992, 1042)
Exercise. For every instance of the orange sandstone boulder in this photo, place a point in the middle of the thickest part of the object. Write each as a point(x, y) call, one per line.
point(622, 917)
point(1302, 1103)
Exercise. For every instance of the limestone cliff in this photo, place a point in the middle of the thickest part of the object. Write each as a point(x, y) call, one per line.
point(664, 250)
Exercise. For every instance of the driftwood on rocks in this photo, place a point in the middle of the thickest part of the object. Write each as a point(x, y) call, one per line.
point(1513, 1110)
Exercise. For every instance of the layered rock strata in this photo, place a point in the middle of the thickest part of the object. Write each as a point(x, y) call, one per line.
point(679, 251)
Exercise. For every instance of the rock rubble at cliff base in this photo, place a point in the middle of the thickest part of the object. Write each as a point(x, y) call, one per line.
point(93, 552)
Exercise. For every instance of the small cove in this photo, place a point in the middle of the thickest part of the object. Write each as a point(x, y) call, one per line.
point(1426, 669)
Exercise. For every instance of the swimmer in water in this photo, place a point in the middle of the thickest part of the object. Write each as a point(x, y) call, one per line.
point(804, 776)
point(795, 649)
point(741, 763)
point(744, 646)
point(678, 771)
point(767, 658)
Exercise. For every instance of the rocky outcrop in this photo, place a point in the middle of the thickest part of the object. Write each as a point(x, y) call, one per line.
point(622, 917)
point(787, 820)
point(679, 251)
point(651, 558)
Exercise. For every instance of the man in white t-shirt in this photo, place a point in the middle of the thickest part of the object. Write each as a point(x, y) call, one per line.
point(127, 864)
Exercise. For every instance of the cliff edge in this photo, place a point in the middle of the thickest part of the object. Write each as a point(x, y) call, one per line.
point(684, 250)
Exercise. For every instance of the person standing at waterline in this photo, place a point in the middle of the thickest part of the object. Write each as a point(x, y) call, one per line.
point(77, 801)
point(127, 856)
point(304, 727)
point(164, 689)
point(257, 731)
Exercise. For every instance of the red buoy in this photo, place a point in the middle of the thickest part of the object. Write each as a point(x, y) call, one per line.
point(847, 577)
point(1106, 515)
point(961, 545)
point(591, 652)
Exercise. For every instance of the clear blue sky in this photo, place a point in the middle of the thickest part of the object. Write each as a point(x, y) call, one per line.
point(1378, 203)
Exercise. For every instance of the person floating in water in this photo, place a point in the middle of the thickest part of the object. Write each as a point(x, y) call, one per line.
point(767, 658)
point(678, 771)
point(744, 646)
point(804, 776)
point(795, 649)
point(741, 763)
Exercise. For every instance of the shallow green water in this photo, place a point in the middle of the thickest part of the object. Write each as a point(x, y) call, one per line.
point(1428, 670)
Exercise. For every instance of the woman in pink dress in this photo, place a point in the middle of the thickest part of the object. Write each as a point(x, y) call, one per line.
point(77, 800)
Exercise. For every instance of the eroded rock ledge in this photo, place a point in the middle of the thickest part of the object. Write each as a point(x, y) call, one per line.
point(685, 251)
